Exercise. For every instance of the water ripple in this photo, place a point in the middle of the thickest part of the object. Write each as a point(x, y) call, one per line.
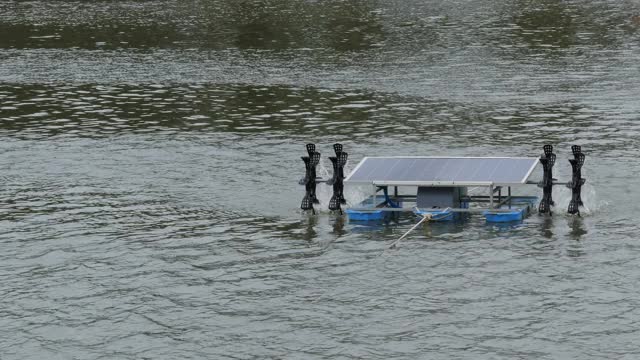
point(149, 160)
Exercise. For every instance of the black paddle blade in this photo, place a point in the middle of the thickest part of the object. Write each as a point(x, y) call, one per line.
point(307, 202)
point(545, 168)
point(342, 159)
point(309, 180)
point(576, 180)
point(574, 204)
point(552, 160)
point(579, 157)
point(334, 163)
point(315, 159)
point(311, 148)
point(547, 159)
point(545, 205)
point(337, 148)
point(576, 149)
point(334, 203)
point(337, 181)
point(576, 166)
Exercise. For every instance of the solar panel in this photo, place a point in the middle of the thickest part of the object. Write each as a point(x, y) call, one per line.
point(433, 171)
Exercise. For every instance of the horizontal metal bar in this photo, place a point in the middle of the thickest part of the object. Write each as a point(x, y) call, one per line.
point(453, 157)
point(403, 196)
point(477, 197)
point(433, 183)
point(457, 210)
point(385, 209)
point(480, 210)
point(554, 183)
point(318, 180)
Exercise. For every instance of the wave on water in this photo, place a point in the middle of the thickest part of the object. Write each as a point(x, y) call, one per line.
point(592, 205)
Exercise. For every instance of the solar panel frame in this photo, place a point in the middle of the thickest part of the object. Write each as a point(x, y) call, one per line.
point(381, 171)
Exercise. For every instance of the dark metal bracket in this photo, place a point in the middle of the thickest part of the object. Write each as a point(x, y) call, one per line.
point(547, 159)
point(337, 181)
point(576, 180)
point(309, 180)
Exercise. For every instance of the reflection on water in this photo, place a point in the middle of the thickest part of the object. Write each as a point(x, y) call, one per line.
point(41, 111)
point(578, 229)
point(310, 224)
point(339, 226)
point(578, 233)
point(256, 25)
point(217, 24)
point(546, 228)
point(338, 25)
point(354, 26)
point(88, 36)
point(551, 24)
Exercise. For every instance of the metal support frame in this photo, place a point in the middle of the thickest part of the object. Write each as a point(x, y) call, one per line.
point(491, 196)
point(337, 181)
point(576, 180)
point(373, 197)
point(547, 159)
point(310, 178)
point(457, 210)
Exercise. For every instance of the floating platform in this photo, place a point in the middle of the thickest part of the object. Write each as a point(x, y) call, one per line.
point(441, 187)
point(519, 208)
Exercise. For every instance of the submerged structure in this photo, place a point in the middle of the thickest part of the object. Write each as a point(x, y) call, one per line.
point(439, 187)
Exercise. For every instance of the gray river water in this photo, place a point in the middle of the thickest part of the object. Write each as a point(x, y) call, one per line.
point(149, 159)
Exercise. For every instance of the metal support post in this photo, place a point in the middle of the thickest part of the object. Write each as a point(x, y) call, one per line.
point(491, 196)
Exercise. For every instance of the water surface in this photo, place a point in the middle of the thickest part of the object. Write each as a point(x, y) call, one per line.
point(150, 159)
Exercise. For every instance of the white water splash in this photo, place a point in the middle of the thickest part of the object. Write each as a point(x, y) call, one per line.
point(323, 191)
point(562, 198)
point(353, 194)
